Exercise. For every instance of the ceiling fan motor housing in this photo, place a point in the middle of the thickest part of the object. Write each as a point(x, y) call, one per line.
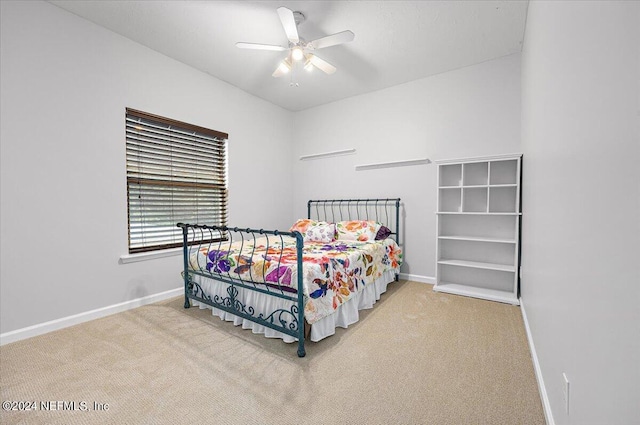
point(298, 17)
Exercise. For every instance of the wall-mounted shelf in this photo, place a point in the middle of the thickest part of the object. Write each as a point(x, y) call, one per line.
point(390, 164)
point(478, 227)
point(327, 154)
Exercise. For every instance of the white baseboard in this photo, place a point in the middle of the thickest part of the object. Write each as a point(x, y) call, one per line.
point(65, 322)
point(418, 278)
point(546, 406)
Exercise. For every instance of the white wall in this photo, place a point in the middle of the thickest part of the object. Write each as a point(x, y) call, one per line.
point(468, 112)
point(581, 189)
point(65, 84)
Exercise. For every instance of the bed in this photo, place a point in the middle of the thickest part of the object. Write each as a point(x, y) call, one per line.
point(298, 284)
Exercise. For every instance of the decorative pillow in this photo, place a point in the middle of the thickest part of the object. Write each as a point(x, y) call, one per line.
point(383, 233)
point(302, 225)
point(358, 230)
point(320, 232)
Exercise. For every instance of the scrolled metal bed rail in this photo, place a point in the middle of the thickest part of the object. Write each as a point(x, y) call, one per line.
point(218, 241)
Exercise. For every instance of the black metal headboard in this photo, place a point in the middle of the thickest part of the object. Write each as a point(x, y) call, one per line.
point(385, 211)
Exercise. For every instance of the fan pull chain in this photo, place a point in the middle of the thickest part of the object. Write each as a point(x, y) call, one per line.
point(293, 71)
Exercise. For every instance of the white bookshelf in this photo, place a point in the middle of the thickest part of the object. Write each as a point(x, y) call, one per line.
point(478, 227)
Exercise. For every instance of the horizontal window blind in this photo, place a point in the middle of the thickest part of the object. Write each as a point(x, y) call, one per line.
point(176, 173)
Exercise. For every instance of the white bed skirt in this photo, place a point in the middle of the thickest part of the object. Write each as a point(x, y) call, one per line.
point(345, 315)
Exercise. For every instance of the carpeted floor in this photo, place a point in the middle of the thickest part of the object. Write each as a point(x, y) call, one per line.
point(418, 357)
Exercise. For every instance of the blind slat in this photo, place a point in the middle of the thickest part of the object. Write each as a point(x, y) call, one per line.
point(143, 117)
point(161, 176)
point(135, 139)
point(148, 156)
point(156, 150)
point(173, 137)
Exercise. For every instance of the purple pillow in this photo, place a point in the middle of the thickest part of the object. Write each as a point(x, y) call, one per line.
point(383, 233)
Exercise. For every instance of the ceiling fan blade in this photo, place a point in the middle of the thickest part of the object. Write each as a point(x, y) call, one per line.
point(260, 46)
point(323, 65)
point(289, 24)
point(331, 40)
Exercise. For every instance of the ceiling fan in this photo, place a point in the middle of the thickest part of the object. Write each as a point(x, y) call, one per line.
point(298, 48)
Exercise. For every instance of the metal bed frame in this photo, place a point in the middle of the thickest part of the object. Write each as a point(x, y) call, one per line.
point(290, 322)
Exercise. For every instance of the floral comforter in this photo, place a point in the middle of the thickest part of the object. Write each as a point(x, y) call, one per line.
point(333, 272)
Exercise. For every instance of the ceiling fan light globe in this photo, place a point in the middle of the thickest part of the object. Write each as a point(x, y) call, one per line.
point(297, 53)
point(284, 67)
point(308, 66)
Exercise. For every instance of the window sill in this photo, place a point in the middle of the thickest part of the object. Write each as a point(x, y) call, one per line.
point(144, 256)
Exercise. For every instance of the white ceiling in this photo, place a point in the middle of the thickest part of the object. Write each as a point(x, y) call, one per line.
point(395, 41)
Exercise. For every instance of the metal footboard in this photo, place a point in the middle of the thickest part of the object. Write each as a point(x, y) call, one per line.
point(202, 238)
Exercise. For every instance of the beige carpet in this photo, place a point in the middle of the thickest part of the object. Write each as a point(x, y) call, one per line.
point(418, 357)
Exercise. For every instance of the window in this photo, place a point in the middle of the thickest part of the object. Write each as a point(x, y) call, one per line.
point(176, 173)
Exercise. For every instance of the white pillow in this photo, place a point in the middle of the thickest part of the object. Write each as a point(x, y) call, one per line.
point(320, 232)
